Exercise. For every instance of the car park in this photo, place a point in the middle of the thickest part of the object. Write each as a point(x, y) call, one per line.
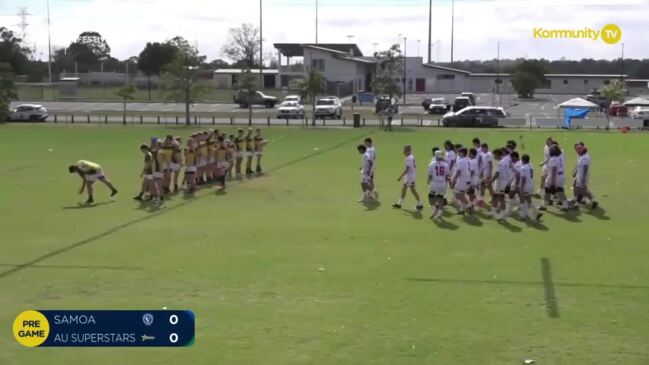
point(461, 102)
point(474, 116)
point(470, 96)
point(257, 98)
point(28, 112)
point(329, 107)
point(290, 109)
point(639, 112)
point(438, 106)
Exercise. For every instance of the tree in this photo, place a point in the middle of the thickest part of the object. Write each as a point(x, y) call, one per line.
point(180, 81)
point(12, 51)
point(388, 70)
point(615, 91)
point(126, 92)
point(7, 90)
point(88, 49)
point(153, 59)
point(312, 86)
point(528, 76)
point(243, 45)
point(248, 83)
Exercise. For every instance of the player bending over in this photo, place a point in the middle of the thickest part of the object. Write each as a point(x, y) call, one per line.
point(437, 179)
point(410, 174)
point(89, 173)
point(526, 189)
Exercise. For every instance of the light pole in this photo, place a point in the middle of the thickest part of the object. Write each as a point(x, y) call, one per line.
point(261, 45)
point(316, 21)
point(405, 59)
point(430, 29)
point(349, 38)
point(452, 27)
point(49, 46)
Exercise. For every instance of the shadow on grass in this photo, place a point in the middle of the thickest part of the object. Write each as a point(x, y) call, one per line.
point(598, 213)
point(415, 214)
point(472, 220)
point(78, 267)
point(538, 225)
point(372, 204)
point(444, 224)
point(87, 206)
point(510, 227)
point(569, 215)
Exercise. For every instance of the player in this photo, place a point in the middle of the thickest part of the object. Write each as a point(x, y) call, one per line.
point(149, 183)
point(89, 173)
point(582, 177)
point(222, 165)
point(191, 168)
point(366, 172)
point(450, 155)
point(554, 184)
point(260, 143)
point(239, 146)
point(410, 174)
point(249, 142)
point(526, 189)
point(372, 153)
point(437, 179)
point(176, 162)
point(158, 171)
point(486, 173)
point(461, 181)
point(514, 176)
point(500, 180)
point(546, 156)
point(210, 168)
point(165, 154)
point(474, 173)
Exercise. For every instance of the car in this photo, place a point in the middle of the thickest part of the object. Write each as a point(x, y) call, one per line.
point(639, 112)
point(290, 109)
point(438, 106)
point(617, 110)
point(28, 112)
point(293, 98)
point(329, 107)
point(461, 102)
point(474, 116)
point(258, 98)
point(470, 96)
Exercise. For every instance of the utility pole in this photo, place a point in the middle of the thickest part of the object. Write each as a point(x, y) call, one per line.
point(622, 64)
point(349, 38)
point(405, 55)
point(49, 46)
point(452, 27)
point(430, 29)
point(498, 81)
point(316, 21)
point(418, 46)
point(261, 44)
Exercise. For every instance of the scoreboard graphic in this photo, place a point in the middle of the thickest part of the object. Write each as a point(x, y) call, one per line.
point(105, 328)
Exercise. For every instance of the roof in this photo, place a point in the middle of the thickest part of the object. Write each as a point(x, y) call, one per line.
point(365, 60)
point(240, 71)
point(430, 65)
point(484, 74)
point(297, 49)
point(611, 76)
point(578, 103)
point(637, 102)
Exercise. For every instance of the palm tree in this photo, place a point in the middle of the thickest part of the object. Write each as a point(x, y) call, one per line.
point(312, 86)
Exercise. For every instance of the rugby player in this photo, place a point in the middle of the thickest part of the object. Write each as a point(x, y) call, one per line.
point(366, 171)
point(526, 189)
point(582, 177)
point(410, 174)
point(260, 143)
point(437, 180)
point(369, 144)
point(461, 181)
point(89, 173)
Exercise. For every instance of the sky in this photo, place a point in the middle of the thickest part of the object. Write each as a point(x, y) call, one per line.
point(375, 25)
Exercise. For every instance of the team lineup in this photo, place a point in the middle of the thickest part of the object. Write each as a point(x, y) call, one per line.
point(472, 172)
point(208, 157)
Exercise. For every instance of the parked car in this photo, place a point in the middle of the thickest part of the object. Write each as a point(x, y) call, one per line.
point(639, 112)
point(293, 98)
point(438, 106)
point(618, 110)
point(329, 107)
point(29, 112)
point(470, 96)
point(290, 109)
point(258, 98)
point(474, 116)
point(461, 102)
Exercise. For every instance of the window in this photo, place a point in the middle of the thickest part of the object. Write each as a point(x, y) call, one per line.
point(565, 81)
point(585, 81)
point(606, 82)
point(445, 77)
point(318, 64)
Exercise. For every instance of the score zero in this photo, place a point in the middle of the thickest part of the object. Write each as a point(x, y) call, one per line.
point(173, 319)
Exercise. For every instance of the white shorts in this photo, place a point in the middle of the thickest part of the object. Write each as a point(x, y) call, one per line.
point(559, 181)
point(175, 167)
point(462, 186)
point(96, 176)
point(438, 189)
point(190, 169)
point(249, 153)
point(223, 165)
point(148, 177)
point(500, 187)
point(211, 160)
point(259, 153)
point(528, 189)
point(365, 179)
point(158, 175)
point(201, 163)
point(240, 154)
point(544, 171)
point(410, 181)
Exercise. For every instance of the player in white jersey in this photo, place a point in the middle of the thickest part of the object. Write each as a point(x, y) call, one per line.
point(546, 156)
point(500, 180)
point(526, 189)
point(461, 181)
point(410, 175)
point(366, 171)
point(372, 152)
point(513, 196)
point(438, 175)
point(486, 173)
point(554, 184)
point(450, 156)
point(582, 177)
point(474, 171)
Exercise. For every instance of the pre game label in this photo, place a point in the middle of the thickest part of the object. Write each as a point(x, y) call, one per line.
point(105, 328)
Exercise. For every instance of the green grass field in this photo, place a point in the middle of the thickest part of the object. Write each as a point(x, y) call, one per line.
point(290, 269)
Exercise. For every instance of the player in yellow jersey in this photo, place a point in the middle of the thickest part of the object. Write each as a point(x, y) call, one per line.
point(249, 142)
point(149, 183)
point(222, 164)
point(202, 158)
point(165, 155)
point(158, 171)
point(191, 160)
point(260, 142)
point(176, 162)
point(239, 147)
point(211, 158)
point(232, 153)
point(89, 173)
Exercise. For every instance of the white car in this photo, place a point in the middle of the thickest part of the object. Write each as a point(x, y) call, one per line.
point(290, 109)
point(329, 107)
point(29, 112)
point(293, 98)
point(639, 112)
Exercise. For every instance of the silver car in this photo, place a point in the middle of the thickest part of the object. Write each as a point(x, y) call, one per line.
point(28, 112)
point(329, 107)
point(290, 109)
